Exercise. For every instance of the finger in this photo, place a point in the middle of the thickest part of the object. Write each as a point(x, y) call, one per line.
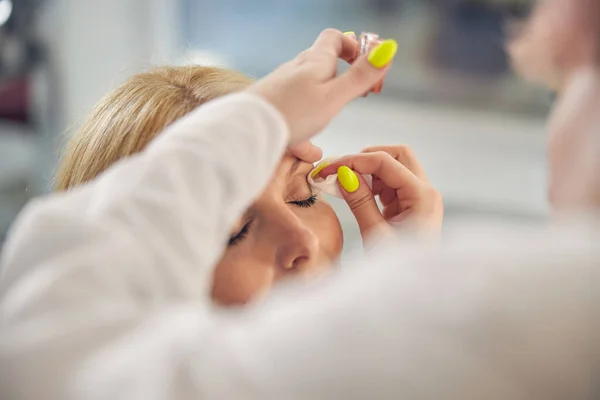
point(391, 211)
point(363, 74)
point(379, 85)
point(386, 197)
point(391, 172)
point(360, 199)
point(350, 34)
point(355, 51)
point(336, 44)
point(405, 155)
point(380, 189)
point(306, 151)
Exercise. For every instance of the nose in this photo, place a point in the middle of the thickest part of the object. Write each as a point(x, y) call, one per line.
point(297, 244)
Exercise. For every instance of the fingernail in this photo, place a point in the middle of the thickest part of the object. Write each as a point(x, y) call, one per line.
point(349, 33)
point(319, 168)
point(383, 53)
point(348, 179)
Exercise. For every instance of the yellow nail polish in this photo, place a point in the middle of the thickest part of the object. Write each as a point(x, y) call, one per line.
point(348, 179)
point(319, 168)
point(349, 33)
point(383, 53)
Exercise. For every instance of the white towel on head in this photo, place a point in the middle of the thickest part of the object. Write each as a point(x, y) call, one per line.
point(329, 185)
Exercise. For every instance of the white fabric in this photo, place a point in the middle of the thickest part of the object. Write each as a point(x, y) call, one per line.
point(104, 294)
point(329, 185)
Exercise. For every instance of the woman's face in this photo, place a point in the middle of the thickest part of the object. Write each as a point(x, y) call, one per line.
point(287, 232)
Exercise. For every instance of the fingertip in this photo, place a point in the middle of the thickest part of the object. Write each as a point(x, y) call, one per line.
point(350, 48)
point(329, 169)
point(383, 53)
point(316, 153)
point(318, 168)
point(348, 179)
point(306, 151)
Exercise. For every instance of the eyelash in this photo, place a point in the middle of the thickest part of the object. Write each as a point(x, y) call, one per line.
point(305, 203)
point(241, 235)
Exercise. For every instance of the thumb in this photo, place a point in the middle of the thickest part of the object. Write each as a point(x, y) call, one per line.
point(360, 199)
point(365, 72)
point(306, 151)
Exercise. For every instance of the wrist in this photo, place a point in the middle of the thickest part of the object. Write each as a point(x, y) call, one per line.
point(273, 112)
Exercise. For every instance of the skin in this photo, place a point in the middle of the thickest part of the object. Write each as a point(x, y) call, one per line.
point(560, 37)
point(287, 236)
point(559, 47)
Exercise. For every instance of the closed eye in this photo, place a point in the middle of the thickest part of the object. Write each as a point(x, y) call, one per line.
point(241, 235)
point(305, 203)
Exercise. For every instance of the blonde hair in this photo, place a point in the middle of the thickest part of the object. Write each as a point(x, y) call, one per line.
point(129, 117)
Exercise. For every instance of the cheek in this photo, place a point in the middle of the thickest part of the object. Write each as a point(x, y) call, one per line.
point(238, 280)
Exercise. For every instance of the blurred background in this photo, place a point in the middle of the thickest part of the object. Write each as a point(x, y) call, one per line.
point(478, 130)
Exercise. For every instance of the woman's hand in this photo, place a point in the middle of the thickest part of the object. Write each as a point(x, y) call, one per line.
point(309, 92)
point(399, 180)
